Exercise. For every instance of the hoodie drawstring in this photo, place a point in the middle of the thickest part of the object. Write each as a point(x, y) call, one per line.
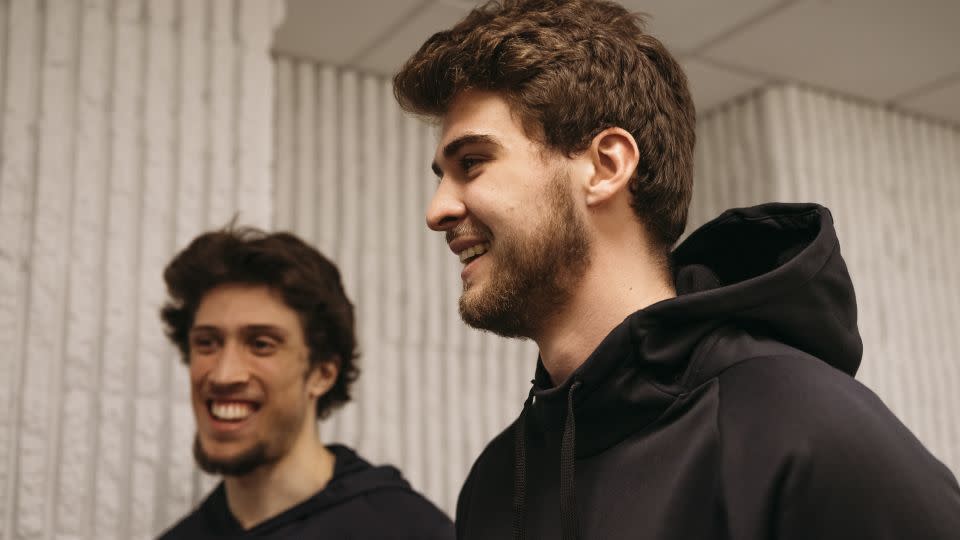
point(569, 522)
point(569, 519)
point(520, 469)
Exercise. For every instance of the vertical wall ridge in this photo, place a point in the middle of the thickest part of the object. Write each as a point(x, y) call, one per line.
point(43, 297)
point(86, 313)
point(16, 189)
point(160, 502)
point(129, 503)
point(4, 49)
point(98, 405)
point(74, 21)
point(155, 234)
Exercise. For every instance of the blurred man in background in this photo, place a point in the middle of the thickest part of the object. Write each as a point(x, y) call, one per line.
point(700, 392)
point(267, 332)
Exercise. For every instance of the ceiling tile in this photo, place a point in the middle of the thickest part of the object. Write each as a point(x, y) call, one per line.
point(387, 56)
point(683, 25)
point(336, 31)
point(712, 86)
point(878, 49)
point(942, 102)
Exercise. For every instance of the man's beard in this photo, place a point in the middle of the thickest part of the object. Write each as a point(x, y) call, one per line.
point(239, 465)
point(284, 429)
point(532, 276)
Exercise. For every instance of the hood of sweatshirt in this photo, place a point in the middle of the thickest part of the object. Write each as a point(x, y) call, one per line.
point(773, 270)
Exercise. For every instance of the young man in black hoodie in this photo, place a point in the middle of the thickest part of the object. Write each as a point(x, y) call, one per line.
point(267, 332)
point(703, 393)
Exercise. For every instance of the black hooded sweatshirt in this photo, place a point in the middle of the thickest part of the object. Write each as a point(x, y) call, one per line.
point(359, 502)
point(729, 412)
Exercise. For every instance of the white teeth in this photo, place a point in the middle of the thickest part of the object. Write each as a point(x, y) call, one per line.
point(230, 411)
point(478, 249)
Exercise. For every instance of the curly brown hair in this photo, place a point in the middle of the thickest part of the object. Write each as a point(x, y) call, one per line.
point(308, 283)
point(570, 69)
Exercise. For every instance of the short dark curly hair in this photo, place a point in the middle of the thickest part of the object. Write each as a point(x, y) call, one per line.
point(570, 69)
point(308, 283)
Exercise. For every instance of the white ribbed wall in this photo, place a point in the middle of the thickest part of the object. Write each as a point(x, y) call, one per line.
point(892, 182)
point(128, 127)
point(353, 177)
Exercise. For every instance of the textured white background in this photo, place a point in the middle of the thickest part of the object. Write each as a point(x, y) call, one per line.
point(128, 127)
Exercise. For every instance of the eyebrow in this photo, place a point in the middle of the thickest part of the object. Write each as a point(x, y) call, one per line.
point(247, 329)
point(455, 145)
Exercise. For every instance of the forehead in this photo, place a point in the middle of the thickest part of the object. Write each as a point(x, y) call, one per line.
point(235, 305)
point(476, 112)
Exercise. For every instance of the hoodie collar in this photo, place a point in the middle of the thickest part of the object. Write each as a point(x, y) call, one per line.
point(774, 269)
point(352, 476)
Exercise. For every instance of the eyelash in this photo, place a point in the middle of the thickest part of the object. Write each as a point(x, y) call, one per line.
point(267, 343)
point(468, 162)
point(206, 345)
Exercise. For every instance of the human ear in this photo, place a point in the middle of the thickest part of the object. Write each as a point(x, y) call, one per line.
point(615, 156)
point(322, 377)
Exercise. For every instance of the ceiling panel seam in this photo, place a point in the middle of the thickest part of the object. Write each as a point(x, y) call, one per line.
point(390, 31)
point(924, 89)
point(742, 25)
point(733, 68)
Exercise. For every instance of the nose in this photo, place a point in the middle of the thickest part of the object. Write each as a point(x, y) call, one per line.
point(230, 366)
point(446, 208)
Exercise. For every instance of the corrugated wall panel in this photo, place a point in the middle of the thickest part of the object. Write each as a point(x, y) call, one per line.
point(46, 294)
point(116, 420)
point(348, 242)
point(412, 310)
point(306, 198)
point(21, 105)
point(222, 72)
point(114, 156)
point(328, 169)
point(391, 414)
point(891, 182)
point(253, 108)
point(152, 384)
point(85, 309)
point(181, 485)
point(732, 166)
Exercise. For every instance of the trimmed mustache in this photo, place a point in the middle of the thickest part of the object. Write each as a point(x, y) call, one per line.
point(466, 229)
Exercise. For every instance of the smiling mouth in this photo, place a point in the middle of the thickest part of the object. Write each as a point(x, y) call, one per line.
point(471, 253)
point(231, 411)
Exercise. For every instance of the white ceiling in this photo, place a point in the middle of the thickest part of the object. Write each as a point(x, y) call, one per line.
point(900, 53)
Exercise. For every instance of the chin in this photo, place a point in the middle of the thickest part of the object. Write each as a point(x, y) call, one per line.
point(230, 462)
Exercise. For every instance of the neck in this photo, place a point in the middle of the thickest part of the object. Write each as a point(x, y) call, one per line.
point(274, 488)
point(616, 284)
